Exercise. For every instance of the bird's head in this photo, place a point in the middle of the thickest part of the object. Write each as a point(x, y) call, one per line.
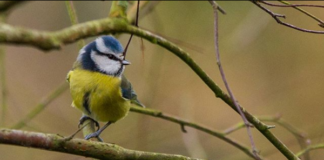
point(105, 55)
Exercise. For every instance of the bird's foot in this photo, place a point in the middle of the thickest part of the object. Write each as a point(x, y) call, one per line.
point(84, 118)
point(98, 132)
point(93, 135)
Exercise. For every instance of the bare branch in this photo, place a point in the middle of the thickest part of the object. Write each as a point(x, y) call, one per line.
point(300, 136)
point(278, 16)
point(296, 6)
point(74, 19)
point(80, 147)
point(202, 128)
point(310, 148)
point(238, 108)
point(234, 128)
point(291, 5)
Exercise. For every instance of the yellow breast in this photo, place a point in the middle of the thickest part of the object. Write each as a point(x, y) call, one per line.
point(98, 95)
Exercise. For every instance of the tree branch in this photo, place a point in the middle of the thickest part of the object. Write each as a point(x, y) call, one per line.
point(278, 16)
point(300, 136)
point(202, 128)
point(74, 19)
point(80, 147)
point(297, 7)
point(309, 148)
point(287, 4)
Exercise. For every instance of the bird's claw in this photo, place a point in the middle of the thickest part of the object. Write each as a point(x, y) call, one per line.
point(84, 118)
point(93, 135)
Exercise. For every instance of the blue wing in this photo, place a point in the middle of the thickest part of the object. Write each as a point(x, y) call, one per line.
point(129, 93)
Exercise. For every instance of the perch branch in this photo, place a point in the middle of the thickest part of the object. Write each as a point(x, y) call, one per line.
point(55, 40)
point(278, 16)
point(80, 147)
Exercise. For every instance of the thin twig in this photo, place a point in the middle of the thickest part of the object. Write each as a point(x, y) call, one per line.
point(300, 136)
point(41, 105)
point(246, 122)
point(188, 45)
point(234, 128)
point(321, 23)
point(200, 127)
point(291, 5)
point(54, 142)
point(296, 6)
point(278, 16)
point(309, 148)
point(145, 7)
point(136, 24)
point(74, 19)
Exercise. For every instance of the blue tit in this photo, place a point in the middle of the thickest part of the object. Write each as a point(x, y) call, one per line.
point(97, 84)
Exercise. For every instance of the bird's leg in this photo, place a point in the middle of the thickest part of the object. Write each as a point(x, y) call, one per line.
point(84, 118)
point(97, 133)
point(81, 121)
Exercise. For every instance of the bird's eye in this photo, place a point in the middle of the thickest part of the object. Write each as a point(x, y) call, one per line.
point(110, 56)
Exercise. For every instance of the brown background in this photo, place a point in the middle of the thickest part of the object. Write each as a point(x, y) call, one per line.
point(271, 69)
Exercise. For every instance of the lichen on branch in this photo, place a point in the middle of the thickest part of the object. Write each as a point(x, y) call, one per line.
point(80, 147)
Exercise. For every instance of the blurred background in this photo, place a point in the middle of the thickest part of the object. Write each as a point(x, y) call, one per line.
point(271, 69)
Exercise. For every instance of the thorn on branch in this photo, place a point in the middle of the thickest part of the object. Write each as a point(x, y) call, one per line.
point(321, 25)
point(183, 129)
point(217, 7)
point(279, 15)
point(221, 10)
point(271, 126)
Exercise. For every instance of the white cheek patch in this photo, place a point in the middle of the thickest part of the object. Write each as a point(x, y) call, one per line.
point(82, 51)
point(105, 64)
point(100, 44)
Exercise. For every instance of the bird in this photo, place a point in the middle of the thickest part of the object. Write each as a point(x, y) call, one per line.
point(97, 84)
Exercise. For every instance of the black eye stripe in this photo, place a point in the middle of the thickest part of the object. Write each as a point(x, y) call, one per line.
point(110, 56)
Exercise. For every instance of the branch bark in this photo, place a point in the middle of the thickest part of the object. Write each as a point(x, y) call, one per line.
point(80, 147)
point(183, 123)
